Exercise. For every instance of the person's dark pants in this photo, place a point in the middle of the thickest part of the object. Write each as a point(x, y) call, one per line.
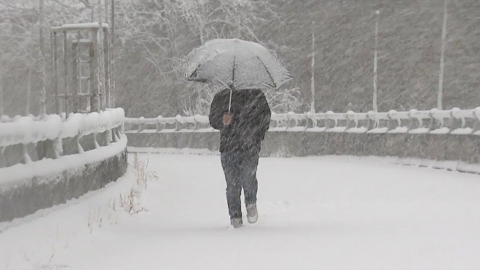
point(240, 168)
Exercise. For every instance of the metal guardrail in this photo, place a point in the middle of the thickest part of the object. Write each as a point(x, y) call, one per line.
point(454, 121)
point(19, 132)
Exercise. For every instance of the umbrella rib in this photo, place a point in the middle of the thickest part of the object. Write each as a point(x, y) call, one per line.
point(268, 71)
point(194, 73)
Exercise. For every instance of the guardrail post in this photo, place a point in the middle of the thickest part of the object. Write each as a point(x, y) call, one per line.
point(115, 136)
point(26, 156)
point(453, 124)
point(349, 120)
point(47, 149)
point(311, 123)
point(141, 125)
point(369, 122)
point(95, 143)
point(327, 121)
point(432, 121)
point(476, 126)
point(159, 125)
point(78, 146)
point(3, 162)
point(390, 121)
point(410, 125)
point(102, 138)
point(109, 134)
point(177, 123)
point(290, 121)
point(2, 158)
point(195, 127)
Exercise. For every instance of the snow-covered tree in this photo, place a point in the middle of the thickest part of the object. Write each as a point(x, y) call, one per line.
point(284, 100)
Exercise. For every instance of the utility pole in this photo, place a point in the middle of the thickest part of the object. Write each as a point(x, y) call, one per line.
point(43, 93)
point(1, 87)
point(375, 63)
point(112, 54)
point(312, 86)
point(442, 57)
point(1, 90)
point(100, 59)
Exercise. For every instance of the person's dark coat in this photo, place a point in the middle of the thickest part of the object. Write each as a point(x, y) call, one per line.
point(250, 119)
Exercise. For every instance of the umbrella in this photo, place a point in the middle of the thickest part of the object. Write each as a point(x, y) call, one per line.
point(235, 64)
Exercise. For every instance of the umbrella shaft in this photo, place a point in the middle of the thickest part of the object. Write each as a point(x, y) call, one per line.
point(230, 101)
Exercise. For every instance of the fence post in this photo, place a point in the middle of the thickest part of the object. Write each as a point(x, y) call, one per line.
point(410, 125)
point(115, 136)
point(26, 156)
point(327, 122)
point(310, 122)
point(159, 124)
point(349, 120)
point(476, 126)
point(141, 125)
point(78, 145)
point(391, 120)
point(177, 122)
point(195, 127)
point(291, 123)
point(3, 162)
point(369, 122)
point(95, 142)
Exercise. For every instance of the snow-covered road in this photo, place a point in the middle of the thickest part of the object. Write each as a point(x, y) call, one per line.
point(315, 213)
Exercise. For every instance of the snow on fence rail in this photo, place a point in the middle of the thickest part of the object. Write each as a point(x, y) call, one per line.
point(20, 132)
point(454, 121)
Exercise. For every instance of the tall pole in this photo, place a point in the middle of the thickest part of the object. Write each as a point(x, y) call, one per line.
point(29, 91)
point(312, 86)
point(1, 87)
point(106, 58)
point(65, 65)
point(43, 93)
point(1, 90)
point(442, 57)
point(375, 64)
point(112, 53)
point(101, 67)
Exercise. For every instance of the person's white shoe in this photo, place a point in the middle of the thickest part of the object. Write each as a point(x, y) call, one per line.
point(236, 222)
point(252, 214)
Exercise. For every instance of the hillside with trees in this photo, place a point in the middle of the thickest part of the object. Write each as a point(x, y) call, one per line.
point(153, 36)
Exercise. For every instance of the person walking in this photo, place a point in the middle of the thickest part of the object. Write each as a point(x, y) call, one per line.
point(243, 118)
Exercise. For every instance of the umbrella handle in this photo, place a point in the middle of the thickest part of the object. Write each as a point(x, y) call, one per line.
point(230, 101)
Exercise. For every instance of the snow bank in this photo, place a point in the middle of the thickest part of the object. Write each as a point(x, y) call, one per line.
point(458, 166)
point(185, 151)
point(349, 216)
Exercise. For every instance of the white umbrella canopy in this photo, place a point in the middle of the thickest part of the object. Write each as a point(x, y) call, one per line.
point(237, 64)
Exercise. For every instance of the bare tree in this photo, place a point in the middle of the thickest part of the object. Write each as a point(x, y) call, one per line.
point(284, 100)
point(224, 18)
